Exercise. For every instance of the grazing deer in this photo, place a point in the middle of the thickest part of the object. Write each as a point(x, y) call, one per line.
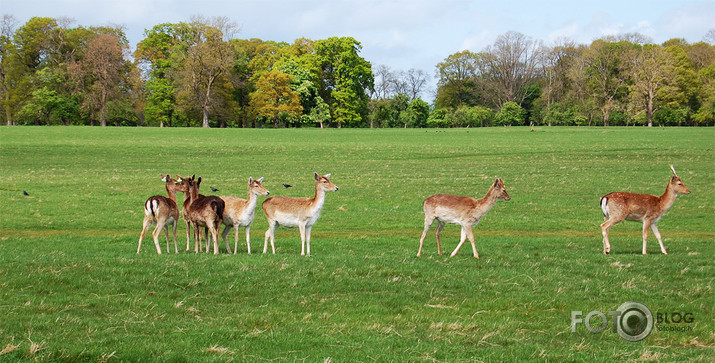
point(163, 212)
point(241, 212)
point(296, 212)
point(465, 211)
point(645, 208)
point(203, 211)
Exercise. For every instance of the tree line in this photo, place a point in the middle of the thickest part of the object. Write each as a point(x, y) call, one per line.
point(197, 73)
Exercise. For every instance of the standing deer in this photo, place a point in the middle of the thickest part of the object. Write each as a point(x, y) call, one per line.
point(645, 208)
point(241, 212)
point(163, 212)
point(465, 211)
point(296, 212)
point(203, 211)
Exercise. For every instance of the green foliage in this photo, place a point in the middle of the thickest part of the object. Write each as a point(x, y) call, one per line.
point(344, 77)
point(73, 288)
point(511, 114)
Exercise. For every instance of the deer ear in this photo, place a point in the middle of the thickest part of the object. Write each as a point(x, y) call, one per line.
point(673, 169)
point(164, 177)
point(250, 180)
point(198, 181)
point(316, 176)
point(328, 175)
point(496, 181)
point(260, 180)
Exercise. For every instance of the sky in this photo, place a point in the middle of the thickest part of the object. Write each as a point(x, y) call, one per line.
point(401, 34)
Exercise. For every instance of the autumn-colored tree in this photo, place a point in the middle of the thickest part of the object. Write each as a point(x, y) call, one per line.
point(274, 97)
point(99, 73)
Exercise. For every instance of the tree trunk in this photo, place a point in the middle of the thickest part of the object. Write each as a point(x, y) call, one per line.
point(205, 112)
point(649, 110)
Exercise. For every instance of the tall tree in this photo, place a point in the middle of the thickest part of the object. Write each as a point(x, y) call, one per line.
point(209, 58)
point(511, 65)
point(345, 79)
point(161, 54)
point(99, 73)
point(607, 72)
point(7, 49)
point(274, 96)
point(456, 80)
point(652, 68)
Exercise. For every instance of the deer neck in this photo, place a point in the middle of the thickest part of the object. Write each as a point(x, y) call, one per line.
point(171, 193)
point(668, 198)
point(319, 198)
point(252, 199)
point(489, 199)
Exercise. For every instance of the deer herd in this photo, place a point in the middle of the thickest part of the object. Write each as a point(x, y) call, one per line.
point(210, 212)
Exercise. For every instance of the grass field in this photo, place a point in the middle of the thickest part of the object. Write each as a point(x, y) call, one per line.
point(73, 288)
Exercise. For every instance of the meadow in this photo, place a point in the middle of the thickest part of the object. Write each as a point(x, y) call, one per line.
point(72, 286)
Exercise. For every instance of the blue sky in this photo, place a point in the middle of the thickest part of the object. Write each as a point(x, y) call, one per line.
point(401, 34)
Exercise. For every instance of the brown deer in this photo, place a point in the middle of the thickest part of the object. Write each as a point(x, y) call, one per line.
point(163, 212)
point(203, 211)
point(645, 208)
point(465, 211)
point(296, 212)
point(241, 212)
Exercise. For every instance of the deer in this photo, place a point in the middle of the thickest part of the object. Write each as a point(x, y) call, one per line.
point(464, 211)
point(296, 212)
point(185, 209)
point(241, 212)
point(203, 211)
point(646, 208)
point(162, 211)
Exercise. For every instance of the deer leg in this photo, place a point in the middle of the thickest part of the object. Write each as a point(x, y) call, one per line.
point(605, 228)
point(157, 231)
point(176, 247)
point(308, 229)
point(235, 240)
point(206, 234)
point(197, 238)
point(654, 228)
point(470, 235)
point(228, 247)
point(224, 234)
point(145, 227)
point(166, 233)
point(188, 233)
point(646, 225)
point(428, 224)
point(248, 238)
point(214, 235)
point(301, 227)
point(461, 242)
point(270, 234)
point(440, 226)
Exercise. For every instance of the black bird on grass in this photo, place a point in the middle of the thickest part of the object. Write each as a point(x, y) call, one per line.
point(286, 185)
point(214, 189)
point(24, 192)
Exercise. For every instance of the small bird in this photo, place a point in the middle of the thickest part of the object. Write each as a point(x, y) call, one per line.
point(214, 189)
point(24, 192)
point(286, 185)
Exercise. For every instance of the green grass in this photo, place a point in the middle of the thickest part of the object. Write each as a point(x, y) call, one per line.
point(73, 288)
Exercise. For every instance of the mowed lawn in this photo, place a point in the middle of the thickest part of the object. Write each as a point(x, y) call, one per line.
point(72, 286)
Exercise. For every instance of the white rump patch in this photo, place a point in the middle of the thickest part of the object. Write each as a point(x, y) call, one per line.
point(604, 207)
